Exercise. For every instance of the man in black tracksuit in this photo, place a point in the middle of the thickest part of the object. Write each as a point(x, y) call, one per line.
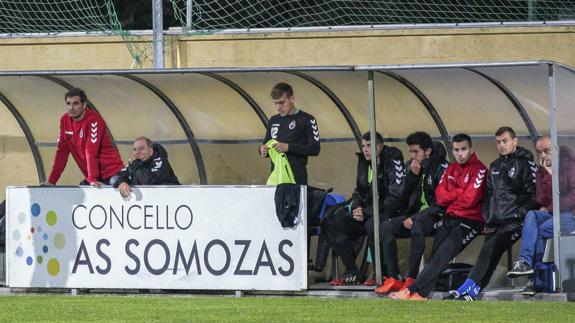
point(509, 194)
point(149, 166)
point(355, 219)
point(296, 132)
point(423, 216)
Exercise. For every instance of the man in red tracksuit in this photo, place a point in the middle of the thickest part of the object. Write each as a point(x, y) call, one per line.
point(83, 134)
point(460, 191)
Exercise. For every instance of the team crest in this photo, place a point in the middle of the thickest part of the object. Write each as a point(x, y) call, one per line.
point(292, 124)
point(466, 179)
point(511, 172)
point(81, 133)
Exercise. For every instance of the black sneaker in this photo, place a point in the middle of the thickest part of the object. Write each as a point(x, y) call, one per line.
point(451, 295)
point(529, 289)
point(351, 279)
point(520, 268)
point(466, 298)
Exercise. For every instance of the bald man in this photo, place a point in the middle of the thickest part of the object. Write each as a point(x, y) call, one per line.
point(538, 225)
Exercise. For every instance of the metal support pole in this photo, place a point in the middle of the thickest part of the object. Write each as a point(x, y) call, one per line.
point(375, 193)
point(555, 170)
point(189, 15)
point(158, 22)
point(530, 10)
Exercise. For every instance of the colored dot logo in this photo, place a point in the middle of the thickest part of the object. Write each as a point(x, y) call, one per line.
point(39, 240)
point(22, 218)
point(51, 218)
point(59, 241)
point(53, 267)
point(35, 210)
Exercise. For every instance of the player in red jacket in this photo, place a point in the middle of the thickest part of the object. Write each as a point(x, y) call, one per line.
point(83, 134)
point(460, 191)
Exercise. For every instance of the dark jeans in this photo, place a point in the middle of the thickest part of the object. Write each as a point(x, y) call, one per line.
point(496, 243)
point(451, 238)
point(425, 224)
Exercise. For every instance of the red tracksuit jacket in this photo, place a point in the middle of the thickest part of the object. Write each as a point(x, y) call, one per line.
point(460, 190)
point(90, 145)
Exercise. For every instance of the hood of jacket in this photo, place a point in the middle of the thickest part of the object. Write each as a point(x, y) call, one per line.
point(520, 153)
point(159, 151)
point(438, 155)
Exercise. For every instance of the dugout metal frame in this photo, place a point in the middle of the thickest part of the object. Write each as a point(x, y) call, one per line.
point(402, 74)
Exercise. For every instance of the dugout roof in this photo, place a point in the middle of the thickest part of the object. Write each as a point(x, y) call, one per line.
point(212, 120)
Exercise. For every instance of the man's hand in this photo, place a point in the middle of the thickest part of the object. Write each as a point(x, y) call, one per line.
point(264, 150)
point(415, 166)
point(408, 223)
point(125, 190)
point(281, 147)
point(357, 214)
point(46, 184)
point(97, 184)
point(546, 164)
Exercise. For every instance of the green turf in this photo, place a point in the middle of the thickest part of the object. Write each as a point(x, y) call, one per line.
point(271, 309)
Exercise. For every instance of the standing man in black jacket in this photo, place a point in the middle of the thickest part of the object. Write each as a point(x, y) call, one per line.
point(149, 166)
point(356, 219)
point(509, 194)
point(424, 171)
point(296, 132)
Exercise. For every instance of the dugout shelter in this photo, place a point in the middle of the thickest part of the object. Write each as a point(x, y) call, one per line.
point(211, 121)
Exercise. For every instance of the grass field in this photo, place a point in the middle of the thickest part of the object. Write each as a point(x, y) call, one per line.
point(64, 308)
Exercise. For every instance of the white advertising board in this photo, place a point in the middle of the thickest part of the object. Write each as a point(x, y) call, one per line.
point(179, 237)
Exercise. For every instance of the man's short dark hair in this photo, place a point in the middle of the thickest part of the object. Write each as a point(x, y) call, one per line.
point(280, 89)
point(77, 92)
point(148, 141)
point(367, 137)
point(505, 129)
point(423, 139)
point(460, 137)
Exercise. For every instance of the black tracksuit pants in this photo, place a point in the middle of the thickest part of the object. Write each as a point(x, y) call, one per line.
point(425, 224)
point(496, 243)
point(451, 238)
point(342, 230)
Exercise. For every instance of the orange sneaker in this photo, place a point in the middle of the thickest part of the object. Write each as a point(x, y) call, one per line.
point(389, 285)
point(416, 297)
point(337, 282)
point(403, 295)
point(371, 281)
point(407, 283)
